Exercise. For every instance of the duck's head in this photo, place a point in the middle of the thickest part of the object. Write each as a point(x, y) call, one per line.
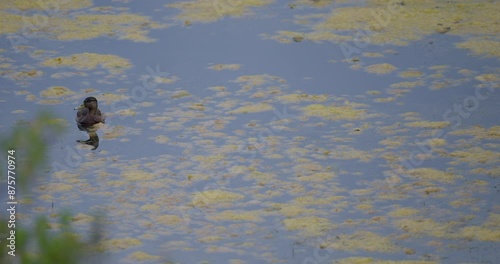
point(89, 103)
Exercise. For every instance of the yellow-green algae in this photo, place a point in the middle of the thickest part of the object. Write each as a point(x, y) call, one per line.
point(168, 220)
point(90, 61)
point(118, 244)
point(482, 46)
point(382, 68)
point(428, 227)
point(252, 108)
point(250, 81)
point(309, 225)
point(40, 5)
point(333, 112)
point(294, 98)
point(292, 210)
point(475, 155)
point(151, 207)
point(363, 240)
point(55, 187)
point(56, 91)
point(385, 99)
point(116, 131)
point(220, 67)
point(213, 197)
point(364, 260)
point(84, 26)
point(82, 218)
point(383, 22)
point(403, 212)
point(209, 11)
point(488, 78)
point(411, 74)
point(429, 124)
point(495, 172)
point(161, 139)
point(317, 177)
point(142, 256)
point(429, 174)
point(481, 233)
point(407, 84)
point(137, 175)
point(479, 133)
point(230, 215)
point(180, 94)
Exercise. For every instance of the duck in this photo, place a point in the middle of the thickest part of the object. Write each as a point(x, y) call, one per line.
point(88, 114)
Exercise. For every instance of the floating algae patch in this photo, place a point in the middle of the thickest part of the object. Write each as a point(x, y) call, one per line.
point(475, 156)
point(364, 260)
point(309, 225)
point(230, 215)
point(161, 139)
point(384, 22)
point(116, 132)
point(56, 91)
point(141, 256)
point(82, 218)
point(253, 108)
point(481, 233)
point(403, 212)
point(295, 98)
point(489, 231)
point(151, 207)
point(488, 78)
point(39, 5)
point(407, 84)
point(220, 67)
point(317, 177)
point(495, 172)
point(90, 61)
point(479, 132)
point(55, 187)
point(88, 26)
point(385, 99)
point(81, 26)
point(364, 240)
point(214, 197)
point(481, 46)
point(428, 227)
point(347, 152)
point(180, 94)
point(333, 112)
point(411, 74)
point(167, 219)
point(138, 175)
point(209, 11)
point(291, 210)
point(111, 97)
point(250, 81)
point(382, 68)
point(429, 124)
point(118, 244)
point(429, 174)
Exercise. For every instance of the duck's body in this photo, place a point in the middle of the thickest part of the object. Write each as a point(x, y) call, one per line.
point(88, 114)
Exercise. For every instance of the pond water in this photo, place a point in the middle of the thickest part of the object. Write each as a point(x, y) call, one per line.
point(258, 131)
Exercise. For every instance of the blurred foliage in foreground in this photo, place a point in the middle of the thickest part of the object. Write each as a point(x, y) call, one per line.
point(38, 243)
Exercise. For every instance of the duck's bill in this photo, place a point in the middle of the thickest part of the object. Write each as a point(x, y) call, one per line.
point(80, 107)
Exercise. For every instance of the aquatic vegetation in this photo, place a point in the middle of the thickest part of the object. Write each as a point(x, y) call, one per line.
point(255, 147)
point(89, 61)
point(334, 112)
point(383, 68)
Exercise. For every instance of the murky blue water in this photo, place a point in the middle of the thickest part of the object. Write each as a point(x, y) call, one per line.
point(336, 173)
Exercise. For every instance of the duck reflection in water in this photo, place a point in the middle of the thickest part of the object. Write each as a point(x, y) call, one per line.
point(87, 116)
